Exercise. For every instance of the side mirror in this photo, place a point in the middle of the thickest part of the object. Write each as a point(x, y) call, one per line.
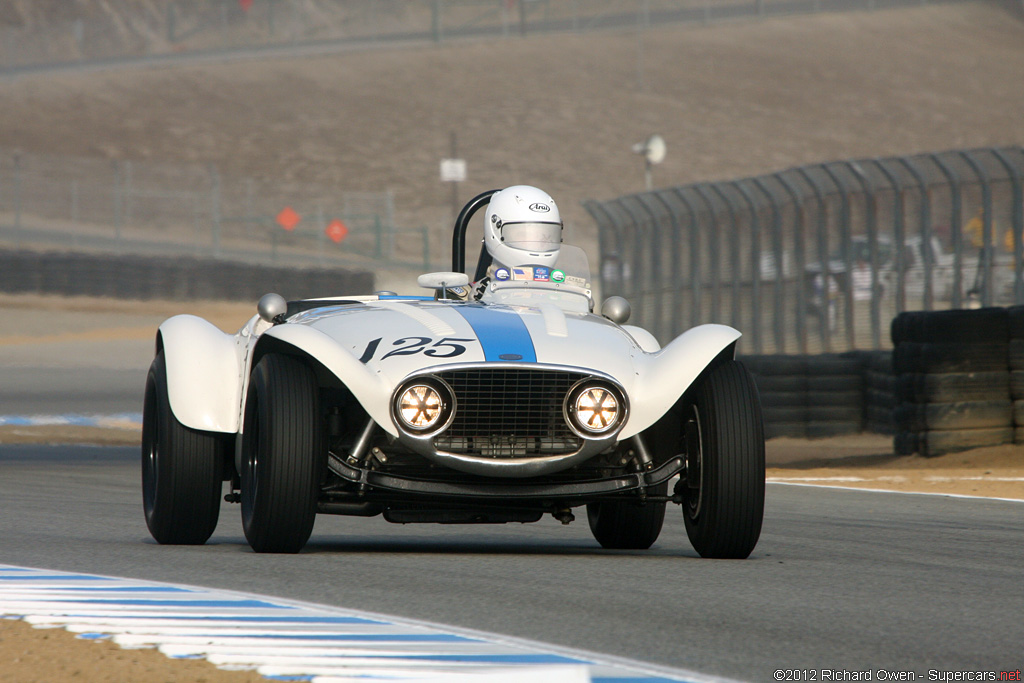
point(443, 280)
point(616, 309)
point(271, 307)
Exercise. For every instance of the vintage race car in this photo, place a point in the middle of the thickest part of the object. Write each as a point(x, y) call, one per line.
point(439, 409)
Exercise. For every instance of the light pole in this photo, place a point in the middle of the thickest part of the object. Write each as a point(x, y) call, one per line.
point(653, 151)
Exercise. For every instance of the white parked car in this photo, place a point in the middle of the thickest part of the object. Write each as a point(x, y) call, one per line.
point(453, 410)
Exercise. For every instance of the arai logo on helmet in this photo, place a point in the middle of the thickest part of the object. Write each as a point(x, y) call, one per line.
point(537, 207)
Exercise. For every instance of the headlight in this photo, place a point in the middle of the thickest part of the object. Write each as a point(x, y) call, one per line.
point(424, 405)
point(594, 408)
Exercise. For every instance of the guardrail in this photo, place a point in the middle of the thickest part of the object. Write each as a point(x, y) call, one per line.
point(820, 258)
point(181, 27)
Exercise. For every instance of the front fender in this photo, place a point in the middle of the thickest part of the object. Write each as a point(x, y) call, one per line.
point(203, 373)
point(662, 377)
point(369, 388)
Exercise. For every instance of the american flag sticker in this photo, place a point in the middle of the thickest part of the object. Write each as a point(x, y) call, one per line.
point(522, 273)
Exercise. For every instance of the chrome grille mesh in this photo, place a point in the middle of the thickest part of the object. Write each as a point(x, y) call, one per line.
point(509, 412)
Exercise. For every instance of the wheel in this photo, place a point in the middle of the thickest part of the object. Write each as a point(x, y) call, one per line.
point(723, 494)
point(283, 457)
point(627, 525)
point(181, 469)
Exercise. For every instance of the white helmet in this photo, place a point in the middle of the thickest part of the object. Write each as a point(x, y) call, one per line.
point(523, 227)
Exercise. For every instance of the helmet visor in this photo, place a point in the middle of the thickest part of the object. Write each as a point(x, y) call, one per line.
point(536, 237)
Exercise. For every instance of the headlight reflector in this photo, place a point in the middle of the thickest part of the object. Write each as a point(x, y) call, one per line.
point(594, 408)
point(424, 405)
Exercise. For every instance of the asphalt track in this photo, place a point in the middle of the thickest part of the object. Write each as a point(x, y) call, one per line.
point(841, 580)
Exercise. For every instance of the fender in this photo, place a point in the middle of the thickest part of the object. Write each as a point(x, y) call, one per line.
point(369, 388)
point(664, 376)
point(203, 373)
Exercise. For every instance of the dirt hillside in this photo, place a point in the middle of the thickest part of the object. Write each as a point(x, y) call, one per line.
point(559, 111)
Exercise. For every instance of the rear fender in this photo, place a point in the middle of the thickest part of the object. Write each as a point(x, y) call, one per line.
point(663, 377)
point(203, 373)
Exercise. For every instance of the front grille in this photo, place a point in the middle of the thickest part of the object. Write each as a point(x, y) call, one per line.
point(509, 412)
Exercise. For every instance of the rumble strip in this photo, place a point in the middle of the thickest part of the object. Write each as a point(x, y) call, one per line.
point(290, 640)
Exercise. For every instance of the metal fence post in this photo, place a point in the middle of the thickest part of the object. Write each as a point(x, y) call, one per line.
point(845, 242)
point(755, 264)
point(871, 211)
point(927, 255)
point(1017, 228)
point(824, 317)
point(676, 281)
point(801, 264)
point(734, 254)
point(657, 277)
point(779, 326)
point(695, 277)
point(17, 200)
point(955, 228)
point(985, 259)
point(215, 207)
point(898, 236)
point(716, 270)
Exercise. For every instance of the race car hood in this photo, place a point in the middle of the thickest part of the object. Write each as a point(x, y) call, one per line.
point(373, 345)
point(395, 339)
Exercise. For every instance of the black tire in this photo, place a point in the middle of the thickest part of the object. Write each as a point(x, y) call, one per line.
point(823, 413)
point(958, 326)
point(723, 505)
point(821, 430)
point(906, 443)
point(943, 358)
point(1015, 354)
point(953, 386)
point(1015, 322)
point(782, 399)
point(919, 417)
point(781, 364)
point(772, 414)
point(181, 469)
point(627, 525)
point(769, 384)
point(835, 383)
point(835, 399)
point(1016, 384)
point(283, 460)
point(796, 430)
point(831, 364)
point(940, 442)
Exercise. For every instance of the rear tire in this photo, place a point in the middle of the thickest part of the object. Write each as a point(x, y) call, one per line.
point(283, 459)
point(181, 469)
point(724, 506)
point(627, 525)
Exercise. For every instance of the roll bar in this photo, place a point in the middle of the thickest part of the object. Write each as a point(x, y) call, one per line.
point(459, 236)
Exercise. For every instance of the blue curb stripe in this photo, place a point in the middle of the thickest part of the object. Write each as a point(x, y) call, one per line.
point(501, 332)
point(293, 641)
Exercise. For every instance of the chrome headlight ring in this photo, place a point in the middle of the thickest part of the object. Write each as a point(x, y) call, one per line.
point(594, 408)
point(423, 406)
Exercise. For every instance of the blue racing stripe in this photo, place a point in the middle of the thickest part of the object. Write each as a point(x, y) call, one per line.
point(502, 333)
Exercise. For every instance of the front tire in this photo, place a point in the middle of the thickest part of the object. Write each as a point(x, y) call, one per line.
point(627, 525)
point(723, 496)
point(181, 469)
point(283, 456)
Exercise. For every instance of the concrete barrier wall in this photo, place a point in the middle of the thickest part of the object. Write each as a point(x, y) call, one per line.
point(178, 278)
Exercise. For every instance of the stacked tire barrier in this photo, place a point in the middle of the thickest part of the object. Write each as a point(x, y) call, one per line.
point(810, 396)
point(180, 278)
point(879, 393)
point(952, 380)
point(1015, 360)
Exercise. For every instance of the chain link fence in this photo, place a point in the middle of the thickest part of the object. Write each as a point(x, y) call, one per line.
point(163, 30)
point(165, 209)
point(820, 258)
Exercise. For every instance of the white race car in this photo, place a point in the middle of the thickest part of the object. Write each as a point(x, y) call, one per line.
point(439, 409)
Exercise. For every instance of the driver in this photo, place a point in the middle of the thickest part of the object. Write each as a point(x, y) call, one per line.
point(522, 227)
